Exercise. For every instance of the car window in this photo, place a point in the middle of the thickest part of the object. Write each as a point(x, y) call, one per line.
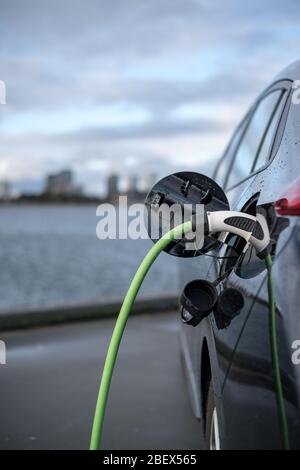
point(223, 167)
point(265, 145)
point(254, 135)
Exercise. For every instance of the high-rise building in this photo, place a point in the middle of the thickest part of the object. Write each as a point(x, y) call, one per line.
point(149, 180)
point(112, 186)
point(62, 184)
point(132, 183)
point(5, 189)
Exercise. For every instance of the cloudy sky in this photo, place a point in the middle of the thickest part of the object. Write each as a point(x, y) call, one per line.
point(132, 86)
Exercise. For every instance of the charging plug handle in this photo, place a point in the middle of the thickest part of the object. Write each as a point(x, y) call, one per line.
point(253, 229)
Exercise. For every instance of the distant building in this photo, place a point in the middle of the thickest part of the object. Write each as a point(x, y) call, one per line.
point(61, 184)
point(133, 193)
point(112, 188)
point(149, 180)
point(132, 183)
point(5, 190)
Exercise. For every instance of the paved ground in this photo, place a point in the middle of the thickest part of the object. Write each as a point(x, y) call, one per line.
point(49, 386)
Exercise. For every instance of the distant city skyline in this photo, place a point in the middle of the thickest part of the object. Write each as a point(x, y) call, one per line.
point(64, 183)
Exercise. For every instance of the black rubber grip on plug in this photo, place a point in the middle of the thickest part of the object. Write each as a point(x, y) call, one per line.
point(241, 223)
point(258, 231)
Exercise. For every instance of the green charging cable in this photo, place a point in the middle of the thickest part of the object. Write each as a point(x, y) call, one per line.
point(115, 341)
point(275, 357)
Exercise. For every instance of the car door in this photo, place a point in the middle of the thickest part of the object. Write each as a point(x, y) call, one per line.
point(249, 400)
point(251, 149)
point(240, 194)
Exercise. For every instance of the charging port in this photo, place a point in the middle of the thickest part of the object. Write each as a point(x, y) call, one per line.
point(249, 264)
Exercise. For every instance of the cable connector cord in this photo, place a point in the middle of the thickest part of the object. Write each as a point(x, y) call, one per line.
point(275, 358)
point(176, 233)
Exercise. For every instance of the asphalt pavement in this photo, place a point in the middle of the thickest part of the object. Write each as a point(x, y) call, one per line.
point(50, 383)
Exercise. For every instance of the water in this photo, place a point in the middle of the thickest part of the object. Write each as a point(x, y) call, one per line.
point(50, 255)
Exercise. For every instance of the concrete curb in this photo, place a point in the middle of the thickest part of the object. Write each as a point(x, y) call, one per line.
point(17, 319)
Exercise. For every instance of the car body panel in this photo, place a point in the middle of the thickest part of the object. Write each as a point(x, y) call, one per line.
point(240, 359)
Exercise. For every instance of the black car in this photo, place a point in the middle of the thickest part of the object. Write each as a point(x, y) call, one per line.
point(229, 370)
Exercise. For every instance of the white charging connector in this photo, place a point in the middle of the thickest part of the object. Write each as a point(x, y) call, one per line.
point(254, 230)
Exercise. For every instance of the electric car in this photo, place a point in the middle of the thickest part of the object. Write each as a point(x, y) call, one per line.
point(228, 367)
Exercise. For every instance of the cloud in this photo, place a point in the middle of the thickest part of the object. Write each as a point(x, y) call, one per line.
point(69, 56)
point(60, 52)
